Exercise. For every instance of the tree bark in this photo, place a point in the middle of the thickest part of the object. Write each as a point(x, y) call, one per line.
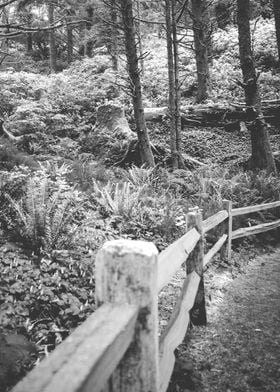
point(53, 54)
point(139, 36)
point(276, 10)
point(177, 85)
point(174, 84)
point(201, 40)
point(89, 44)
point(70, 44)
point(113, 45)
point(135, 82)
point(171, 83)
point(29, 36)
point(262, 156)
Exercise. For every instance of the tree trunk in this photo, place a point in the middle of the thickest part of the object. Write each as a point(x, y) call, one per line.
point(29, 36)
point(89, 44)
point(53, 54)
point(113, 46)
point(201, 37)
point(177, 84)
point(139, 36)
point(70, 44)
point(134, 76)
point(171, 82)
point(29, 43)
point(174, 84)
point(262, 156)
point(276, 9)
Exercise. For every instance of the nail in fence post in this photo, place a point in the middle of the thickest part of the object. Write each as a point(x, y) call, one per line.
point(226, 249)
point(195, 263)
point(126, 272)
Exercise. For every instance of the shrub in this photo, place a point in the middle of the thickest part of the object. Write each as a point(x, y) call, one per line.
point(10, 157)
point(41, 218)
point(119, 199)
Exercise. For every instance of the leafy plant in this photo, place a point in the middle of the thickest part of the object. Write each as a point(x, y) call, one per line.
point(41, 218)
point(120, 199)
point(140, 176)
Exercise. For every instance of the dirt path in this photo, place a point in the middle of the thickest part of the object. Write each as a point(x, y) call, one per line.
point(239, 350)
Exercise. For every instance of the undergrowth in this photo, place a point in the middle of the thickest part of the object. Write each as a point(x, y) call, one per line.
point(45, 210)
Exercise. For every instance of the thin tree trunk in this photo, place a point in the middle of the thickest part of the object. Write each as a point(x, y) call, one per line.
point(70, 44)
point(139, 34)
point(177, 85)
point(29, 36)
point(89, 44)
point(29, 43)
point(171, 83)
point(113, 46)
point(276, 9)
point(134, 75)
point(201, 37)
point(52, 39)
point(262, 157)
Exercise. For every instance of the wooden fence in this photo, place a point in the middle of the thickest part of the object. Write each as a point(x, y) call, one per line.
point(118, 347)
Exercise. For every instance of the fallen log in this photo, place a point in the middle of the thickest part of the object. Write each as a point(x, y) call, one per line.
point(215, 115)
point(4, 132)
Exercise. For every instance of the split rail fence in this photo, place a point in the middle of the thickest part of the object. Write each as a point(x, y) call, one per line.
point(118, 347)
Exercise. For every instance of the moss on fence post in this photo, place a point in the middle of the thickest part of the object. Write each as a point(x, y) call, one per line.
point(227, 229)
point(195, 263)
point(126, 272)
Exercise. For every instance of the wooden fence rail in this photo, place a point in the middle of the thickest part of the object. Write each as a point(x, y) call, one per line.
point(118, 348)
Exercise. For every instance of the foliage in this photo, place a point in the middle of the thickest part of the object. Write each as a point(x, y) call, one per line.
point(10, 157)
point(43, 219)
point(45, 300)
point(18, 87)
point(120, 200)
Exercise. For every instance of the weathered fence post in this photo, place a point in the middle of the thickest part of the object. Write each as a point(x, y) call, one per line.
point(227, 226)
point(195, 263)
point(126, 272)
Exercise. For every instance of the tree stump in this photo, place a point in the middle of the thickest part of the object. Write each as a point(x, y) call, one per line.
point(112, 137)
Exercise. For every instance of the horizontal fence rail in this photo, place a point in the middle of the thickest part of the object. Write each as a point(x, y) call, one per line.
point(256, 208)
point(88, 356)
point(245, 231)
point(214, 220)
point(178, 252)
point(117, 349)
point(176, 329)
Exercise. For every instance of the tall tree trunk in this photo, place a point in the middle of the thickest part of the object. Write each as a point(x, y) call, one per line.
point(29, 36)
point(201, 31)
point(70, 44)
point(134, 76)
point(171, 84)
point(262, 157)
point(5, 21)
point(29, 43)
point(113, 45)
point(53, 53)
point(89, 44)
point(139, 35)
point(276, 9)
point(174, 84)
point(177, 84)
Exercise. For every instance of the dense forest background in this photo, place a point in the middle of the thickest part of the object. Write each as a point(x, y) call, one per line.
point(116, 118)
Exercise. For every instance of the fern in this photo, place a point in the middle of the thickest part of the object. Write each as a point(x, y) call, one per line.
point(120, 199)
point(43, 214)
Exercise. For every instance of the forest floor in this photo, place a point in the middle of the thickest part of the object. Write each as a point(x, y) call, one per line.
point(239, 349)
point(24, 309)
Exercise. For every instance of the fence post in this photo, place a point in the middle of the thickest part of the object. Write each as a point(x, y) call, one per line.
point(126, 272)
point(195, 263)
point(226, 249)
